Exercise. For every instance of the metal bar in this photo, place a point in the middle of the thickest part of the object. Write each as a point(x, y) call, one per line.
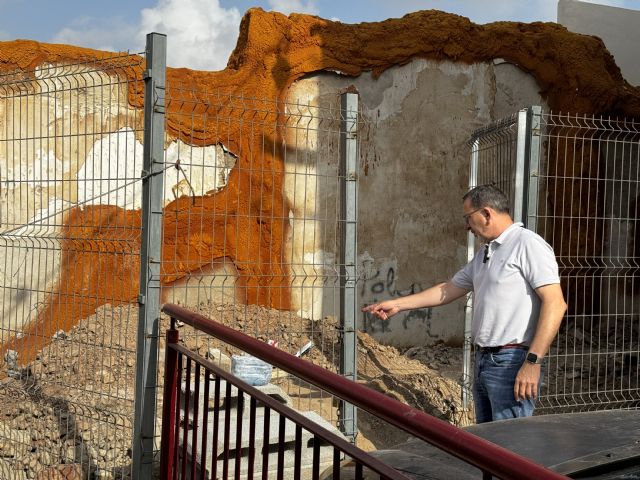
point(473, 169)
point(194, 433)
point(238, 449)
point(521, 160)
point(265, 443)
point(315, 473)
point(227, 431)
point(177, 419)
point(464, 445)
point(205, 424)
point(185, 423)
point(336, 463)
point(149, 299)
point(532, 169)
point(468, 309)
point(297, 454)
point(252, 438)
point(216, 432)
point(280, 469)
point(169, 407)
point(348, 252)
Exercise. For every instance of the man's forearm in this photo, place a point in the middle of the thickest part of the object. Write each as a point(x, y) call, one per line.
point(552, 310)
point(439, 294)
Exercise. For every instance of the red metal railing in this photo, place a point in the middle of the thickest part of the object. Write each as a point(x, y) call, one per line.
point(491, 459)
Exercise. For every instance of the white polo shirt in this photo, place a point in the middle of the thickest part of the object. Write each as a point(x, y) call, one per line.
point(505, 304)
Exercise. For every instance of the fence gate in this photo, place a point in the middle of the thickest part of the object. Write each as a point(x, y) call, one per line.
point(575, 180)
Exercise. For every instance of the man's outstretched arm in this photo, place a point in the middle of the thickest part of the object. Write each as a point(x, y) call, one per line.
point(439, 294)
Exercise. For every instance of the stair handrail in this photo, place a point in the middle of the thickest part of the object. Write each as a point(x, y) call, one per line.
point(374, 464)
point(485, 455)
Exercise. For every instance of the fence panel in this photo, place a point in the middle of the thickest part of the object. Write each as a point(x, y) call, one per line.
point(495, 156)
point(70, 162)
point(587, 209)
point(494, 159)
point(252, 235)
point(580, 192)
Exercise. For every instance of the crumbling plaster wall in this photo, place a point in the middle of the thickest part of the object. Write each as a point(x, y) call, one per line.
point(414, 164)
point(402, 154)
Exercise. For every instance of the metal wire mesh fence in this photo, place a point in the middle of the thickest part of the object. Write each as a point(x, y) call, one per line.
point(588, 190)
point(494, 156)
point(254, 234)
point(70, 156)
point(576, 184)
point(254, 231)
point(494, 159)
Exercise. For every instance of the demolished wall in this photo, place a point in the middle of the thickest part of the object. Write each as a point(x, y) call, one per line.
point(416, 120)
point(414, 158)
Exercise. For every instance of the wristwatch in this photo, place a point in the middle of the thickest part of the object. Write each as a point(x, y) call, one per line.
point(533, 358)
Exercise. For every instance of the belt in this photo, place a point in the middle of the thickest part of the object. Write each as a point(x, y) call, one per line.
point(502, 347)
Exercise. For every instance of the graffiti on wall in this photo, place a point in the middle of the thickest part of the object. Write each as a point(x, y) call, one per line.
point(378, 283)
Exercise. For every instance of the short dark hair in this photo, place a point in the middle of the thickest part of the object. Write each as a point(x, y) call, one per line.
point(487, 196)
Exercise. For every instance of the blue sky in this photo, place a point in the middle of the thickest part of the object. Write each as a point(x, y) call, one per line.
point(202, 33)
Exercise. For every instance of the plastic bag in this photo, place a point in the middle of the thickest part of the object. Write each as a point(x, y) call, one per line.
point(251, 370)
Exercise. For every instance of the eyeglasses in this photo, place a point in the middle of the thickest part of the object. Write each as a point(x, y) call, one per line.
point(466, 216)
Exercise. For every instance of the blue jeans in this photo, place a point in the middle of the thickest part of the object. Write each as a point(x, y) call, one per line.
point(495, 376)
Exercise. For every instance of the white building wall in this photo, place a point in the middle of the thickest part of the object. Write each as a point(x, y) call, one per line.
point(617, 27)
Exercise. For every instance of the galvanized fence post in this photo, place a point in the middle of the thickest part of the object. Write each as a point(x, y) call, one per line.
point(150, 256)
point(530, 217)
point(348, 251)
point(522, 159)
point(468, 310)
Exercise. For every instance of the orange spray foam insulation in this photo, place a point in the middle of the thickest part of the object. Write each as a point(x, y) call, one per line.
point(575, 73)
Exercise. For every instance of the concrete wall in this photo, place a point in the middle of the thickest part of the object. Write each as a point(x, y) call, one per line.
point(417, 120)
point(617, 27)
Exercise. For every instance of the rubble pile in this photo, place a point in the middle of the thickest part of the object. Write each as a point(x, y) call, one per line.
point(72, 408)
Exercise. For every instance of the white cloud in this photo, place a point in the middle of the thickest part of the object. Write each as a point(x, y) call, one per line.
point(297, 6)
point(200, 33)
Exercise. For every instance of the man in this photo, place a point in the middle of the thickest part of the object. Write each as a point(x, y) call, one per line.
point(518, 306)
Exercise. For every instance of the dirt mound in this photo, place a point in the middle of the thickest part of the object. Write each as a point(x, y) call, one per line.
point(74, 404)
point(426, 378)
